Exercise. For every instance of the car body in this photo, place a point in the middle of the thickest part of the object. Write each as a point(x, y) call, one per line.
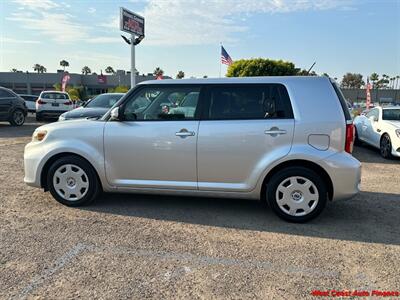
point(285, 140)
point(30, 101)
point(380, 128)
point(12, 107)
point(51, 104)
point(95, 108)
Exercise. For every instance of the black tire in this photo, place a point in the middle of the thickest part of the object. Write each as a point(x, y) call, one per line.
point(283, 176)
point(17, 117)
point(386, 146)
point(94, 187)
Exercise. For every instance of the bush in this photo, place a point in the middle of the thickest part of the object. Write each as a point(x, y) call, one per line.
point(261, 67)
point(119, 89)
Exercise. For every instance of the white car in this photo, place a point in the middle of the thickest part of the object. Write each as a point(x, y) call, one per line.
point(380, 128)
point(51, 104)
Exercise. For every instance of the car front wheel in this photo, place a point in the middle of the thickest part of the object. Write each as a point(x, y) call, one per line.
point(386, 146)
point(17, 118)
point(297, 194)
point(73, 181)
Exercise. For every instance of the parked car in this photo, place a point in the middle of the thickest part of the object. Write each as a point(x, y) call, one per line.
point(12, 107)
point(95, 108)
point(30, 101)
point(380, 128)
point(284, 140)
point(51, 104)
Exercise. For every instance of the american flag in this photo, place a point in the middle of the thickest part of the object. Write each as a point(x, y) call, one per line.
point(225, 58)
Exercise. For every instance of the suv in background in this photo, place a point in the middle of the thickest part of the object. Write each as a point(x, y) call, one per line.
point(30, 101)
point(51, 104)
point(284, 140)
point(12, 107)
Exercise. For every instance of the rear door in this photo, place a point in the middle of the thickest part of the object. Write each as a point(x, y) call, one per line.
point(243, 128)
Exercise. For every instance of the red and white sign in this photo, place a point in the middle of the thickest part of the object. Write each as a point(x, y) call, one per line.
point(368, 104)
point(64, 81)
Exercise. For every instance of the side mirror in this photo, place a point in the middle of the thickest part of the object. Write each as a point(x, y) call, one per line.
point(114, 115)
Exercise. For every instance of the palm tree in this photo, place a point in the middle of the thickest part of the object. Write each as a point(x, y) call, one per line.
point(180, 75)
point(374, 78)
point(86, 70)
point(14, 70)
point(158, 72)
point(109, 70)
point(397, 81)
point(64, 64)
point(42, 69)
point(36, 67)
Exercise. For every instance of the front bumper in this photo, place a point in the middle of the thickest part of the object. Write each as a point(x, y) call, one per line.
point(50, 113)
point(33, 164)
point(345, 173)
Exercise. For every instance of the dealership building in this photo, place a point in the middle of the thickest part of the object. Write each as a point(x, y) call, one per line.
point(34, 83)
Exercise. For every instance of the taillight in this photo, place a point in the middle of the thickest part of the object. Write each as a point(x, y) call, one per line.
point(40, 101)
point(68, 103)
point(350, 132)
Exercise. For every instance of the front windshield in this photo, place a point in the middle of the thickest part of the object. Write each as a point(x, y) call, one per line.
point(104, 100)
point(391, 114)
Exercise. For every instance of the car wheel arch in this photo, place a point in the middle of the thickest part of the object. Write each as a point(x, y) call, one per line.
point(298, 163)
point(52, 159)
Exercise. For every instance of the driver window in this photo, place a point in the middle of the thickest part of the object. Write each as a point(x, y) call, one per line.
point(162, 103)
point(374, 113)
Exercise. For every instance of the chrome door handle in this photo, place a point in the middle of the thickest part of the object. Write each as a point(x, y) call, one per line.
point(274, 131)
point(184, 133)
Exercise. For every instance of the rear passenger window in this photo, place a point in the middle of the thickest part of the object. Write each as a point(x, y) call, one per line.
point(267, 101)
point(5, 94)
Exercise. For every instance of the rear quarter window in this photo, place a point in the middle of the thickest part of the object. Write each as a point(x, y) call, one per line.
point(248, 101)
point(342, 100)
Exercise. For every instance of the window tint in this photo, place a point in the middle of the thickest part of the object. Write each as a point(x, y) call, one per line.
point(162, 103)
point(54, 96)
point(5, 94)
point(268, 101)
point(105, 100)
point(391, 114)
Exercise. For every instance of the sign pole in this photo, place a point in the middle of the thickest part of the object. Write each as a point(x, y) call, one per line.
point(133, 69)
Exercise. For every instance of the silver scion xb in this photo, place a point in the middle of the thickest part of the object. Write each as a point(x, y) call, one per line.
point(284, 140)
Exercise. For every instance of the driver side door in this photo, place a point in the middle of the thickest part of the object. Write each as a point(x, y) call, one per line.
point(153, 146)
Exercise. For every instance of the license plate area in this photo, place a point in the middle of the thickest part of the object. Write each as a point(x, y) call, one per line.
point(55, 104)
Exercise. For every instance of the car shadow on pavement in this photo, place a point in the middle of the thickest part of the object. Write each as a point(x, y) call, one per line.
point(369, 154)
point(369, 217)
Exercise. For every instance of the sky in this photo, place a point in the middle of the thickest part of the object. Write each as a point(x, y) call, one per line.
point(361, 36)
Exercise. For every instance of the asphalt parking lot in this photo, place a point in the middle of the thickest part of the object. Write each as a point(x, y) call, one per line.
point(135, 246)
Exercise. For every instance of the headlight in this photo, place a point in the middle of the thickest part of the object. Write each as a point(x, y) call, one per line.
point(398, 132)
point(39, 135)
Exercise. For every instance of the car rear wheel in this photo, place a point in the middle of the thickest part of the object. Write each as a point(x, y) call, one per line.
point(73, 181)
point(386, 146)
point(297, 194)
point(17, 118)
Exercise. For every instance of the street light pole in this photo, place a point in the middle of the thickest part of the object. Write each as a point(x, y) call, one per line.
point(133, 69)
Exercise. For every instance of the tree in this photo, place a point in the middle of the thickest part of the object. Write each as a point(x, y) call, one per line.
point(109, 70)
point(64, 64)
point(119, 89)
point(158, 72)
point(374, 78)
point(352, 81)
point(180, 75)
point(42, 69)
point(86, 70)
point(261, 67)
point(14, 70)
point(36, 67)
point(205, 76)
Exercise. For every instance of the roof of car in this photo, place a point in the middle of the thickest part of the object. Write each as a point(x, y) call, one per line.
point(390, 107)
point(260, 79)
point(59, 92)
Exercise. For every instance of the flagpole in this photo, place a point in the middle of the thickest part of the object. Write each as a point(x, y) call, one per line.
point(220, 64)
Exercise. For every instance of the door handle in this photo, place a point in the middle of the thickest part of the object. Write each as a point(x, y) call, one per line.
point(184, 133)
point(274, 131)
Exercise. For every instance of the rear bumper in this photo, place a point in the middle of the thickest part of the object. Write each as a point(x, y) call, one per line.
point(345, 173)
point(50, 113)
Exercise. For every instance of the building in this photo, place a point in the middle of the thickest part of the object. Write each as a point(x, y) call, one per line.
point(34, 83)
